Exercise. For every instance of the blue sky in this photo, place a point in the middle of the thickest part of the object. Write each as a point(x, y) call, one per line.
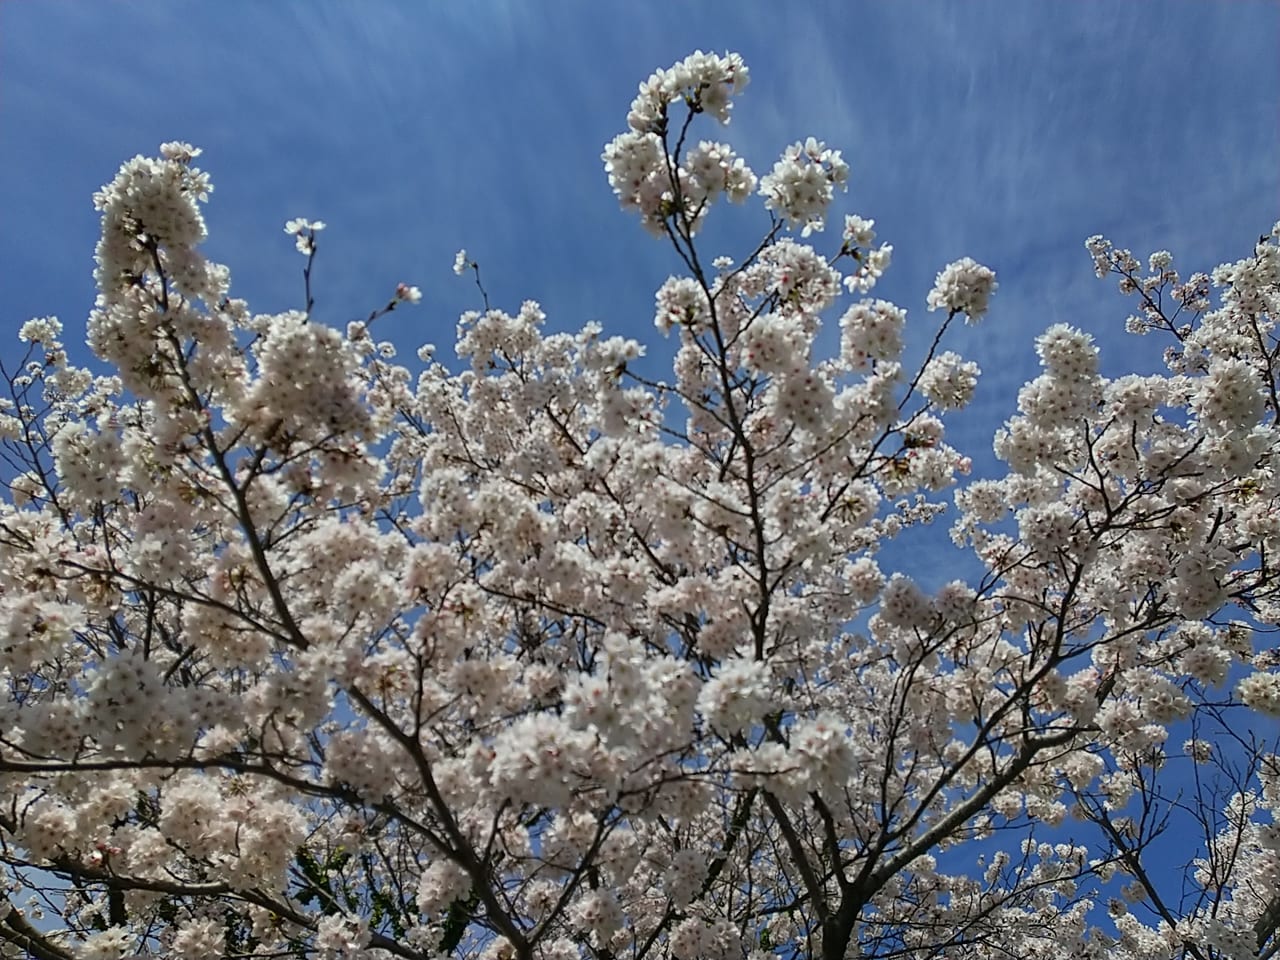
point(1004, 131)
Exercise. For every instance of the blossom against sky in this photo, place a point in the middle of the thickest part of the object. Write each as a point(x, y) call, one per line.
point(1005, 132)
point(1008, 132)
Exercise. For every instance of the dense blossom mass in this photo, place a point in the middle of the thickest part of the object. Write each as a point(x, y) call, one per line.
point(308, 654)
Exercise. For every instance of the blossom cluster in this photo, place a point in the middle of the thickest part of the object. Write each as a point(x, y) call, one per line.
point(964, 287)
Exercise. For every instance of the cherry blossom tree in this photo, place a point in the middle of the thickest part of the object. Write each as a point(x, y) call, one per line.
point(307, 654)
